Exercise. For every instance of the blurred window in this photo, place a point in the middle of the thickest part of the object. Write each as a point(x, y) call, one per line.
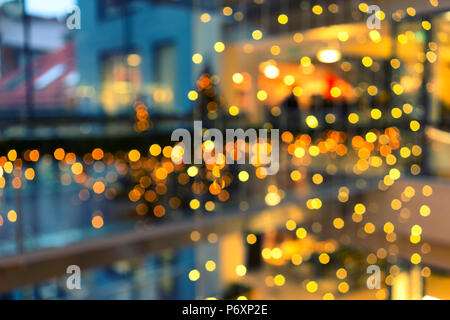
point(9, 60)
point(164, 75)
point(438, 54)
point(121, 81)
point(110, 8)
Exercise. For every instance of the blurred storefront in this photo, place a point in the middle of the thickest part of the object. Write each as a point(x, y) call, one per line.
point(88, 175)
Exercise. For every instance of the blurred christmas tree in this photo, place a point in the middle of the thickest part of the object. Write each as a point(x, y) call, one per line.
point(209, 107)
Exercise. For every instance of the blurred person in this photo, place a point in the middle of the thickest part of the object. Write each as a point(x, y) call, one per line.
point(290, 114)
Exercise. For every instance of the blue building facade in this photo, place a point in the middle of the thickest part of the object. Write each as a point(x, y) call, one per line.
point(134, 50)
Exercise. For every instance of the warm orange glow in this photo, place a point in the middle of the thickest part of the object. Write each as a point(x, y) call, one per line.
point(97, 222)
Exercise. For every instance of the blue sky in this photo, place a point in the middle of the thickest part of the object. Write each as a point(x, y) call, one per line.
point(49, 8)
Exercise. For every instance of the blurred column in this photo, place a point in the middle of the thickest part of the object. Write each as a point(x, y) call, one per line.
point(231, 254)
point(29, 74)
point(425, 101)
point(408, 285)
